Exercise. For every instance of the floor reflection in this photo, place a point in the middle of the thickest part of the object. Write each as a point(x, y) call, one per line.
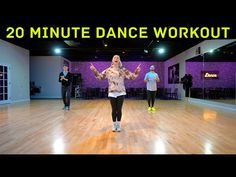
point(209, 115)
point(160, 147)
point(58, 146)
point(208, 148)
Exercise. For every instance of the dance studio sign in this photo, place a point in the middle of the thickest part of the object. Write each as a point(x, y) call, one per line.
point(85, 32)
point(210, 74)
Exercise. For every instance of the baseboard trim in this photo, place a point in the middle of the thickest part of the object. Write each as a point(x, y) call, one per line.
point(213, 104)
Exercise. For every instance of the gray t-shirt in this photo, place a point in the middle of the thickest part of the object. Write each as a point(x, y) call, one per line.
point(151, 84)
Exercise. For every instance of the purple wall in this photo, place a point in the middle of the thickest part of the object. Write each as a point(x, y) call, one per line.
point(226, 70)
point(90, 81)
point(226, 73)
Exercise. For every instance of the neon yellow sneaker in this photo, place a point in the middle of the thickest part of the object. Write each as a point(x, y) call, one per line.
point(149, 108)
point(153, 109)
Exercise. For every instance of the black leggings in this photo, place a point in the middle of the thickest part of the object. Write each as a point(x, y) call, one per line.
point(116, 105)
point(151, 95)
point(65, 90)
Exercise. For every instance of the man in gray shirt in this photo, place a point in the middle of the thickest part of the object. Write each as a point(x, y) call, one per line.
point(151, 78)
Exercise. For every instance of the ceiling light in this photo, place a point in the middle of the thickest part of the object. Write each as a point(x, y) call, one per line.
point(145, 51)
point(161, 50)
point(57, 51)
point(211, 51)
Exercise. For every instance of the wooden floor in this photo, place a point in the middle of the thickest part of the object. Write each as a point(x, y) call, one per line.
point(177, 127)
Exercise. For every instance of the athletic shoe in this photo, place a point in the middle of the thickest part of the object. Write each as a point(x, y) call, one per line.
point(118, 126)
point(153, 109)
point(114, 127)
point(149, 108)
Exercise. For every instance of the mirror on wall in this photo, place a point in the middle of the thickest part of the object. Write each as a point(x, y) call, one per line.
point(214, 75)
